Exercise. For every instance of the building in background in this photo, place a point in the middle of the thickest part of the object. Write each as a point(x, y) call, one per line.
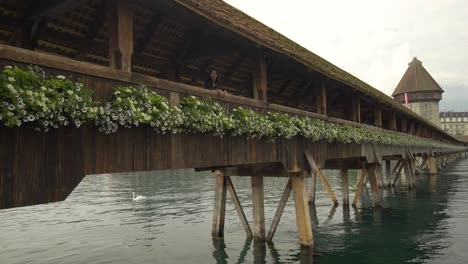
point(455, 123)
point(419, 91)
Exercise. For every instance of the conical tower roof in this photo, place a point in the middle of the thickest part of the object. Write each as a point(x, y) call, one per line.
point(416, 79)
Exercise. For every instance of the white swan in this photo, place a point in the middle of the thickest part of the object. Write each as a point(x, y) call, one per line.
point(138, 198)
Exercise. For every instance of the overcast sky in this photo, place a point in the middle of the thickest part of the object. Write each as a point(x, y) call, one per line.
point(376, 39)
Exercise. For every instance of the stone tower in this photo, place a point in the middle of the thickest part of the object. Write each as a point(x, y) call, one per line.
point(422, 91)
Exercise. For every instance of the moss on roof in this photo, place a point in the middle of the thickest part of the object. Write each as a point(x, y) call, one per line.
point(241, 23)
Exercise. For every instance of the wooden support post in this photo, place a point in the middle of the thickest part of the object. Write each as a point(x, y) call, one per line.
point(315, 169)
point(393, 122)
point(356, 109)
point(397, 172)
point(377, 116)
point(404, 127)
point(388, 173)
point(238, 206)
point(432, 165)
point(321, 99)
point(407, 173)
point(219, 205)
point(121, 34)
point(423, 163)
point(378, 175)
point(374, 187)
point(344, 186)
point(279, 210)
point(361, 182)
point(313, 184)
point(258, 209)
point(304, 226)
point(260, 78)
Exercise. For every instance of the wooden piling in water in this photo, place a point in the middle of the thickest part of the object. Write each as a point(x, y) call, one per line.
point(313, 184)
point(345, 186)
point(304, 225)
point(238, 206)
point(315, 169)
point(374, 187)
point(361, 182)
point(258, 209)
point(279, 210)
point(219, 210)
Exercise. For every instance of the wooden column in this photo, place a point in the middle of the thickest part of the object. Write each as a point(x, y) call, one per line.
point(304, 226)
point(432, 165)
point(260, 78)
point(388, 172)
point(279, 210)
point(219, 205)
point(404, 127)
point(238, 206)
point(121, 34)
point(356, 109)
point(321, 99)
point(258, 209)
point(313, 184)
point(378, 174)
point(374, 187)
point(344, 186)
point(393, 122)
point(378, 116)
point(397, 171)
point(360, 184)
point(315, 169)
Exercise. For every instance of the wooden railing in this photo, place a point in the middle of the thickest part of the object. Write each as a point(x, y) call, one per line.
point(55, 62)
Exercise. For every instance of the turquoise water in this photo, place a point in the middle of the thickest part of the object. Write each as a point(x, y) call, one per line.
point(99, 223)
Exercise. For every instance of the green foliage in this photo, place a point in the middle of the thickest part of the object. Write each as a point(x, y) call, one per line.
point(28, 96)
point(130, 107)
point(205, 115)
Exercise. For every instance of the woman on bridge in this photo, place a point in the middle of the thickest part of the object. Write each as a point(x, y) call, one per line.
point(213, 82)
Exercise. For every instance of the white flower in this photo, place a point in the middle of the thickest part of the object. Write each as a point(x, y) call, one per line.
point(61, 77)
point(31, 118)
point(11, 79)
point(8, 67)
point(9, 86)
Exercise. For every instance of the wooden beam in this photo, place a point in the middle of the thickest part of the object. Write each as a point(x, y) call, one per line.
point(361, 183)
point(235, 65)
point(49, 8)
point(393, 122)
point(321, 99)
point(388, 172)
point(432, 165)
point(219, 211)
point(260, 78)
point(397, 172)
point(304, 225)
point(377, 116)
point(279, 210)
point(93, 29)
point(238, 206)
point(313, 184)
point(121, 35)
point(374, 187)
point(258, 208)
point(284, 86)
point(356, 108)
point(148, 33)
point(345, 186)
point(315, 169)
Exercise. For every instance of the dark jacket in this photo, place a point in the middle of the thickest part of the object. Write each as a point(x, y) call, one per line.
point(212, 85)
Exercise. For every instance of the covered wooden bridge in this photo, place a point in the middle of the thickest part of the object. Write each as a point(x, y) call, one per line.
point(169, 46)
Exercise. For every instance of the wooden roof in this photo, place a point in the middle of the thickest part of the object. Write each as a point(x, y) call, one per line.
point(171, 36)
point(416, 79)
